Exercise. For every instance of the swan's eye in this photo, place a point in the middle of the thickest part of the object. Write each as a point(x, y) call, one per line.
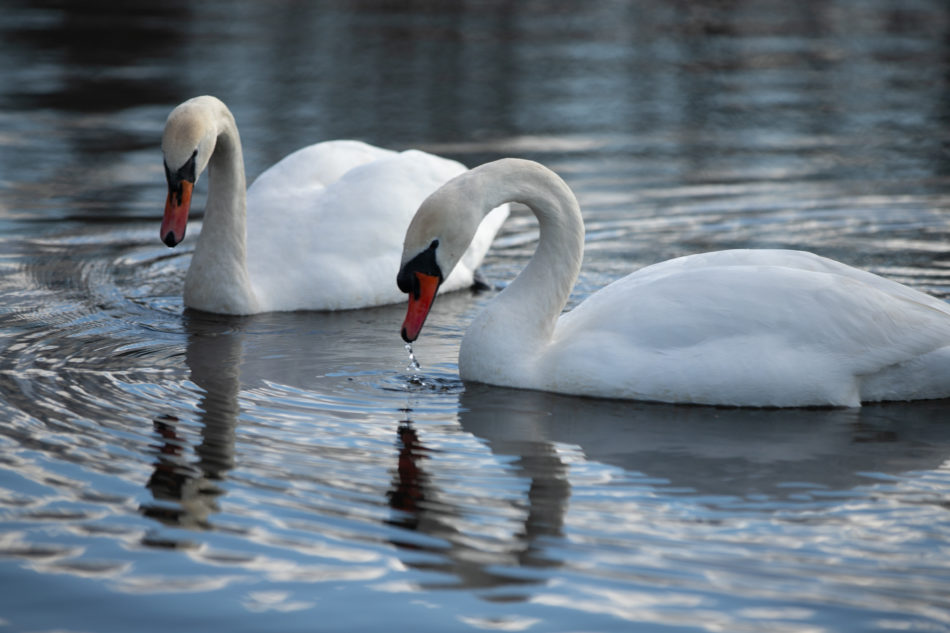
point(424, 262)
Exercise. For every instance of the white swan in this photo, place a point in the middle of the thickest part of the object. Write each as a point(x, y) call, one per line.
point(319, 230)
point(772, 328)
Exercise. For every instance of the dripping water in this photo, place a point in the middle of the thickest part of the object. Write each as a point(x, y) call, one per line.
point(413, 365)
point(416, 379)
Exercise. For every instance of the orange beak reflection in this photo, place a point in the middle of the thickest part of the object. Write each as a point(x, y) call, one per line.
point(175, 219)
point(420, 300)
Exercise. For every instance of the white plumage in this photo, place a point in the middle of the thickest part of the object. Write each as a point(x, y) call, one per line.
point(741, 327)
point(319, 230)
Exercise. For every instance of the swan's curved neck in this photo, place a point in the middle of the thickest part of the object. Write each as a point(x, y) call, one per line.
point(520, 321)
point(217, 279)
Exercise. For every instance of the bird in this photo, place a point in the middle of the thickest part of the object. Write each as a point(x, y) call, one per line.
point(743, 328)
point(319, 230)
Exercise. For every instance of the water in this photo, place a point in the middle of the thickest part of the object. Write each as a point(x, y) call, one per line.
point(163, 469)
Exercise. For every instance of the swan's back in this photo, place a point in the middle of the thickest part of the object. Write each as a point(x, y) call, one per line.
point(325, 225)
point(749, 327)
point(317, 165)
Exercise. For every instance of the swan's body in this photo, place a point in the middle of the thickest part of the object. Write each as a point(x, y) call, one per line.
point(319, 230)
point(740, 327)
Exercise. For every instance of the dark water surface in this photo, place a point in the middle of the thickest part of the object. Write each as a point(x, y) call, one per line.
point(167, 470)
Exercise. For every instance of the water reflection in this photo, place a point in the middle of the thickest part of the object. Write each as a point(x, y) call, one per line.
point(473, 558)
point(438, 531)
point(303, 370)
point(478, 533)
point(97, 55)
point(715, 451)
point(184, 482)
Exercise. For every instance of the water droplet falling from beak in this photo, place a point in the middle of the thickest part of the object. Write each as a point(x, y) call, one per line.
point(413, 363)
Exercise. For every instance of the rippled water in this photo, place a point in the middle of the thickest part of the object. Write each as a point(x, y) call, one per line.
point(163, 469)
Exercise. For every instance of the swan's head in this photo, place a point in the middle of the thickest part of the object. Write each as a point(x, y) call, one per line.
point(436, 239)
point(187, 144)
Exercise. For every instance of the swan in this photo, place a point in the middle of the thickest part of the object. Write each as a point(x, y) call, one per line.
point(319, 230)
point(757, 328)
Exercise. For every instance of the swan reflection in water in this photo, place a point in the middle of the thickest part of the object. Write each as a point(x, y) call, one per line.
point(703, 452)
point(716, 451)
point(186, 489)
point(690, 451)
point(470, 559)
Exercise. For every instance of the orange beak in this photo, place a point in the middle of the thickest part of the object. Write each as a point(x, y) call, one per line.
point(175, 219)
point(420, 300)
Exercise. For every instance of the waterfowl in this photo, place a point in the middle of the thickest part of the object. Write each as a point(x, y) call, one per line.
point(763, 328)
point(319, 230)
